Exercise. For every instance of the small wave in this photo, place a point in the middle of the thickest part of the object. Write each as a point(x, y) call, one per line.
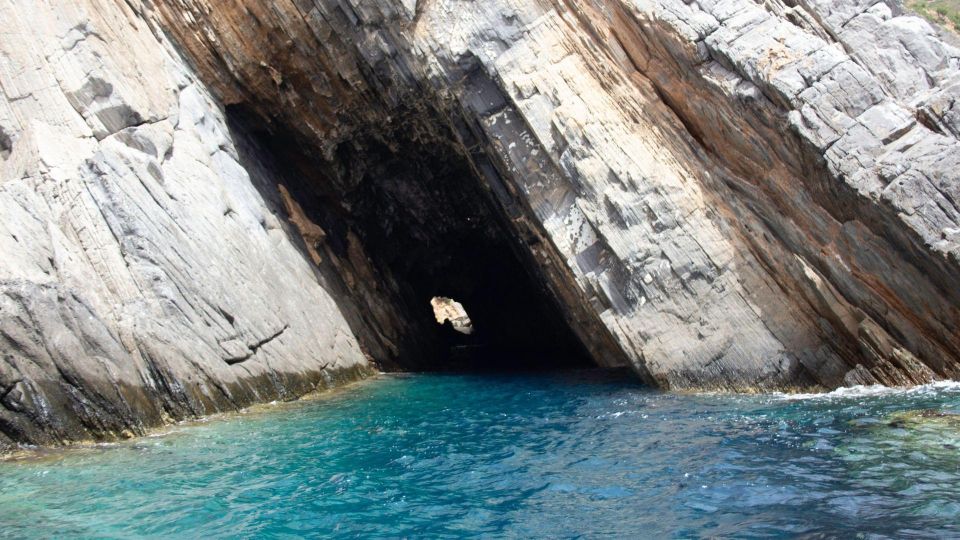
point(872, 391)
point(618, 414)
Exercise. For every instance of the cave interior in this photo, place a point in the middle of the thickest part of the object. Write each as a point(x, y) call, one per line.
point(407, 198)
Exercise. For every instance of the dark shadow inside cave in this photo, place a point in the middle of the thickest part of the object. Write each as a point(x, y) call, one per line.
point(396, 216)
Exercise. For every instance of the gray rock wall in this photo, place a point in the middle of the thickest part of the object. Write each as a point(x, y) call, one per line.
point(751, 194)
point(722, 194)
point(145, 274)
point(814, 118)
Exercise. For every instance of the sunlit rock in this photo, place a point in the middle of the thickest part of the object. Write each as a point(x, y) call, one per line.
point(210, 204)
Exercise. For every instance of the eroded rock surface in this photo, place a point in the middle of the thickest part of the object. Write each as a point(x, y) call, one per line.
point(145, 273)
point(722, 194)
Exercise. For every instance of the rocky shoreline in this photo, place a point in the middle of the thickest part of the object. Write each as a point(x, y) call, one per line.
point(211, 204)
point(328, 385)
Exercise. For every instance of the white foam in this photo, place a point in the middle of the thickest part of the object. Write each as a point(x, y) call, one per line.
point(874, 390)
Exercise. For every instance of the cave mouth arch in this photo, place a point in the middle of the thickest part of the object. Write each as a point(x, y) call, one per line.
point(448, 310)
point(396, 216)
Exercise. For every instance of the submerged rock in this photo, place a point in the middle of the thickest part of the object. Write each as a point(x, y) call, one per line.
point(925, 418)
point(934, 433)
point(210, 204)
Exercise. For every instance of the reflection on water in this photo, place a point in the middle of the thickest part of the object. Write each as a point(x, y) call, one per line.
point(534, 455)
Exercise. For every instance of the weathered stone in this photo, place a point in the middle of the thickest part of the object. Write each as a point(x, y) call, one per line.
point(735, 189)
point(144, 276)
point(722, 194)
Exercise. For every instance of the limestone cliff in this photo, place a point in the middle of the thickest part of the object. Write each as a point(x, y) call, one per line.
point(209, 203)
point(145, 274)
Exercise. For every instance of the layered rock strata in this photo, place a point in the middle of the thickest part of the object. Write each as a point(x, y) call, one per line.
point(733, 194)
point(211, 203)
point(145, 273)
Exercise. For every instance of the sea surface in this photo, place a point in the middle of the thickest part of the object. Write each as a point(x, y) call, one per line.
point(541, 455)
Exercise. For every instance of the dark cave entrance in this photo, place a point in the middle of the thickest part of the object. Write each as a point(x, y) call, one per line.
point(396, 217)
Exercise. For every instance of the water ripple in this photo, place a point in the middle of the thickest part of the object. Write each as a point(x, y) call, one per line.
point(578, 454)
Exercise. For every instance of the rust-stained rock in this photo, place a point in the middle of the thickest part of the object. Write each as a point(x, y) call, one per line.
point(740, 192)
point(722, 194)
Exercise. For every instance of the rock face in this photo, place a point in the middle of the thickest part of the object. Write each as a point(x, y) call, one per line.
point(210, 203)
point(147, 273)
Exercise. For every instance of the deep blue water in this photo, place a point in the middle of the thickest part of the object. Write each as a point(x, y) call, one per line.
point(575, 454)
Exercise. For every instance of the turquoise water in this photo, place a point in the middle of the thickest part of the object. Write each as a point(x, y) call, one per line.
point(540, 455)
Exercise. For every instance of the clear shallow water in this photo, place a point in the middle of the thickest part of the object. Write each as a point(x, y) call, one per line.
point(539, 455)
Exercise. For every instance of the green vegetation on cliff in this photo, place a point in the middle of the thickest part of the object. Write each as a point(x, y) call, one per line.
point(943, 12)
